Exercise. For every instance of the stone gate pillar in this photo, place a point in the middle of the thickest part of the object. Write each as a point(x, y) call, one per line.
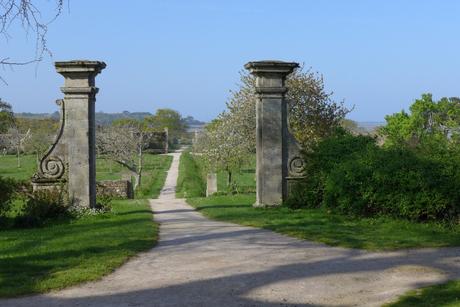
point(79, 133)
point(272, 133)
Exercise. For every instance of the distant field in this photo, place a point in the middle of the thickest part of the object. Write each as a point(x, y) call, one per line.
point(9, 167)
point(106, 170)
point(154, 174)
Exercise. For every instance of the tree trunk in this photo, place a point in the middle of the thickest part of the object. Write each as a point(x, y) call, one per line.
point(229, 178)
point(18, 156)
point(140, 163)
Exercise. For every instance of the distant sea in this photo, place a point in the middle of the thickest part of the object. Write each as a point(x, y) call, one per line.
point(369, 126)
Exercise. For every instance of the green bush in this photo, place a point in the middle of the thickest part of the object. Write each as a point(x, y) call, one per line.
point(8, 188)
point(321, 160)
point(352, 175)
point(40, 207)
point(104, 203)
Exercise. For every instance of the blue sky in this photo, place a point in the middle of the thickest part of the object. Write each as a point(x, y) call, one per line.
point(376, 55)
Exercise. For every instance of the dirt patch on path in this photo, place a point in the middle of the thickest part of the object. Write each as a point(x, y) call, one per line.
point(199, 262)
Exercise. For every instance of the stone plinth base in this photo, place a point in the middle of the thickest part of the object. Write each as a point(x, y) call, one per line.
point(43, 185)
point(211, 184)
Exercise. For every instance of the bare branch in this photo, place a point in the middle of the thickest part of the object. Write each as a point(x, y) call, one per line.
point(28, 14)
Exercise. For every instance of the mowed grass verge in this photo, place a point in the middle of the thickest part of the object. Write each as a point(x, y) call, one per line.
point(68, 252)
point(57, 256)
point(447, 295)
point(191, 182)
point(332, 229)
point(311, 224)
point(153, 175)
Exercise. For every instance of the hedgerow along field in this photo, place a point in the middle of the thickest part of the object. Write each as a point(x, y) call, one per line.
point(69, 251)
point(377, 233)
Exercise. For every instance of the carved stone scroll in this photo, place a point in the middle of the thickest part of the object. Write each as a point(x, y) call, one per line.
point(52, 166)
point(72, 157)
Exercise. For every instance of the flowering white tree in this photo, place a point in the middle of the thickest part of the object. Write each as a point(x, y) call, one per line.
point(222, 146)
point(229, 141)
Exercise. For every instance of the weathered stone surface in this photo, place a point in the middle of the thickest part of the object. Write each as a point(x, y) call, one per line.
point(51, 173)
point(80, 134)
point(72, 157)
point(211, 184)
point(272, 136)
point(115, 188)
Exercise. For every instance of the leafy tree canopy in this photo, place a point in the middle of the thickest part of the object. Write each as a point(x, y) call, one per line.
point(428, 123)
point(167, 118)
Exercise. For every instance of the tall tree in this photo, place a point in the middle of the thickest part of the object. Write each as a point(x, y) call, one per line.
point(167, 118)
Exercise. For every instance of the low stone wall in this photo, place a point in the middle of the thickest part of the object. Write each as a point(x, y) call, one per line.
point(115, 188)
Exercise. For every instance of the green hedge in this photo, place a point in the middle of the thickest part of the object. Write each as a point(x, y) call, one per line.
point(352, 175)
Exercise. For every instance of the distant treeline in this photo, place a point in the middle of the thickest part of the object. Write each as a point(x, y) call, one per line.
point(105, 119)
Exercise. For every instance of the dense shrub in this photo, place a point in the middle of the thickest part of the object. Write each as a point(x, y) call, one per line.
point(40, 207)
point(321, 160)
point(352, 175)
point(8, 188)
point(104, 203)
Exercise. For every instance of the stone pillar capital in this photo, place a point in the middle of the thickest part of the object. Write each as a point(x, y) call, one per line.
point(270, 76)
point(79, 76)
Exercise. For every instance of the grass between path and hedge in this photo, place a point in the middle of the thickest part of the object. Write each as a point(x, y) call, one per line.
point(190, 182)
point(63, 254)
point(447, 294)
point(332, 229)
point(381, 233)
point(153, 175)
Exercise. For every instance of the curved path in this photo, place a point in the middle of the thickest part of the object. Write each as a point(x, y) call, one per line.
point(199, 262)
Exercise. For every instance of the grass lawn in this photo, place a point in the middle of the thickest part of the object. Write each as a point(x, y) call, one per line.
point(447, 294)
point(9, 166)
point(153, 175)
point(244, 178)
point(65, 253)
point(191, 181)
point(107, 169)
point(41, 259)
point(311, 224)
point(332, 229)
